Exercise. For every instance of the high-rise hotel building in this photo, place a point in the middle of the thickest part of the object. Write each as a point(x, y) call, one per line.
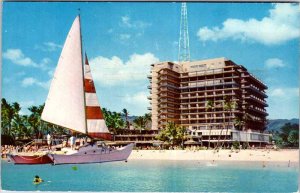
point(197, 95)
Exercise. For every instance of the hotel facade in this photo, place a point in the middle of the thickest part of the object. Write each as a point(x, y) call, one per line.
point(215, 99)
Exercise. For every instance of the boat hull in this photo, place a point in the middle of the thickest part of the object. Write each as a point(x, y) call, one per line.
point(93, 155)
point(32, 159)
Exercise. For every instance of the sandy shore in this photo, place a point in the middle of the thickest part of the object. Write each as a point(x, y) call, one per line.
point(222, 155)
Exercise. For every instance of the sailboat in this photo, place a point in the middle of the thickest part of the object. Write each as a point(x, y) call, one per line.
point(72, 103)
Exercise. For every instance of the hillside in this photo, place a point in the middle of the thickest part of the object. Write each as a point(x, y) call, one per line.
point(276, 124)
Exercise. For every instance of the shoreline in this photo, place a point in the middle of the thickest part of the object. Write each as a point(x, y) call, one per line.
point(284, 155)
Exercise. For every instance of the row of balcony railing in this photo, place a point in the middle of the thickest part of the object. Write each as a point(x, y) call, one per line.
point(208, 72)
point(263, 102)
point(201, 117)
point(260, 92)
point(215, 79)
point(208, 95)
point(260, 110)
point(251, 76)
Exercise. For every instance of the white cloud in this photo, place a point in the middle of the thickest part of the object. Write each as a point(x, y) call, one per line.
point(284, 92)
point(274, 63)
point(30, 81)
point(128, 23)
point(116, 72)
point(16, 56)
point(139, 97)
point(137, 103)
point(51, 73)
point(48, 47)
point(283, 102)
point(281, 25)
point(44, 63)
point(130, 29)
point(124, 37)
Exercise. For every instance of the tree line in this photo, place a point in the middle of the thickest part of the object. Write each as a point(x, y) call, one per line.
point(287, 136)
point(18, 126)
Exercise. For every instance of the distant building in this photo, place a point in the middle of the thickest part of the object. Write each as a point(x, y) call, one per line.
point(141, 138)
point(182, 93)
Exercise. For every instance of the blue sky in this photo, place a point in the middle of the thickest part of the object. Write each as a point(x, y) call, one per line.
point(123, 39)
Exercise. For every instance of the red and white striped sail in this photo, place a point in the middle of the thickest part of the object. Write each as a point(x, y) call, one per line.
point(96, 126)
point(65, 102)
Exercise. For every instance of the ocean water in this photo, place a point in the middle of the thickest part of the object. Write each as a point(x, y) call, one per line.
point(152, 176)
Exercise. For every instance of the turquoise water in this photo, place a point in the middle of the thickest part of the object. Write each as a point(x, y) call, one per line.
point(152, 176)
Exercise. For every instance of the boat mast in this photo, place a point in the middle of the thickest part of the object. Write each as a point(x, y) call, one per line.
point(82, 64)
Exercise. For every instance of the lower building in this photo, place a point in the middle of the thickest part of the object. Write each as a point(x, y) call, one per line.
point(141, 138)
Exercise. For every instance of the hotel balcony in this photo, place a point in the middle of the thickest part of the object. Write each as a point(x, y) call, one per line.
point(149, 87)
point(258, 111)
point(257, 91)
point(149, 76)
point(262, 102)
point(149, 97)
point(149, 108)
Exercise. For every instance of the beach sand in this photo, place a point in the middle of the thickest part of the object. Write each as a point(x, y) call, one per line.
point(259, 155)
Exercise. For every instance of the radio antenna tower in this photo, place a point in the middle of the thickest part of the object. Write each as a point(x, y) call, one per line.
point(184, 47)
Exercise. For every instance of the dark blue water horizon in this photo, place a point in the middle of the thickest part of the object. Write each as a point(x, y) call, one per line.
point(153, 176)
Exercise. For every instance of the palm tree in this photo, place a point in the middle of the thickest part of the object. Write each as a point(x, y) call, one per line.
point(239, 123)
point(7, 115)
point(140, 123)
point(173, 134)
point(181, 135)
point(125, 114)
point(10, 119)
point(224, 120)
point(147, 119)
point(246, 118)
point(209, 106)
point(229, 105)
point(35, 121)
point(113, 120)
point(20, 127)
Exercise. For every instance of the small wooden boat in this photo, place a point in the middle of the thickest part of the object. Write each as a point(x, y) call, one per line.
point(30, 159)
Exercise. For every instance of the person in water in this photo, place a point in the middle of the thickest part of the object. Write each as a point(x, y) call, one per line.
point(37, 179)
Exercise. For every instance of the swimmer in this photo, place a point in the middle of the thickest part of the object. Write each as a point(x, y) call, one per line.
point(37, 180)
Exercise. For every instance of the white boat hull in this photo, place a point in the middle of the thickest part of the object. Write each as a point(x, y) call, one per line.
point(93, 154)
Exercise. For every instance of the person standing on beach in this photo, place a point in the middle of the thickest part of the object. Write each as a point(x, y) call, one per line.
point(49, 139)
point(72, 142)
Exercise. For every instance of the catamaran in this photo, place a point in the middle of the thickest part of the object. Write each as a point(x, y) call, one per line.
point(72, 103)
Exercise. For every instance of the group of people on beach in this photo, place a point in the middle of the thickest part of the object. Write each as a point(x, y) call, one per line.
point(6, 149)
point(73, 143)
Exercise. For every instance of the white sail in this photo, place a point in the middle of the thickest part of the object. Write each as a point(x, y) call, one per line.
point(65, 104)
